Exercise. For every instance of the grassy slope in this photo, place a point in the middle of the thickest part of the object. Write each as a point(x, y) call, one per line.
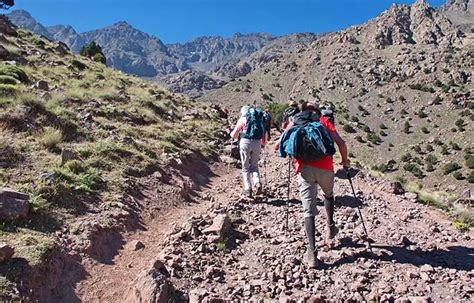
point(117, 124)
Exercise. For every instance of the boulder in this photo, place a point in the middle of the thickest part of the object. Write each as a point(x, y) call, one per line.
point(13, 205)
point(220, 226)
point(42, 85)
point(6, 252)
point(397, 188)
point(152, 285)
point(410, 196)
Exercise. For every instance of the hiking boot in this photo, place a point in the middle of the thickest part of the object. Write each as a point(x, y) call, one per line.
point(332, 231)
point(310, 258)
point(247, 193)
point(259, 189)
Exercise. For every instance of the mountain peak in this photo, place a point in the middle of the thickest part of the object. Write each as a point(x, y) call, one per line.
point(20, 13)
point(122, 24)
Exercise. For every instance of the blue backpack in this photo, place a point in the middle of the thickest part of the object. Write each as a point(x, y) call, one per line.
point(255, 127)
point(307, 140)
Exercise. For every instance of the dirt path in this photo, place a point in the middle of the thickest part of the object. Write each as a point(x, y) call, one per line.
point(417, 252)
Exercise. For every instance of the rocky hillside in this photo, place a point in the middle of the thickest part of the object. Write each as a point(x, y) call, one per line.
point(461, 13)
point(135, 52)
point(78, 143)
point(401, 85)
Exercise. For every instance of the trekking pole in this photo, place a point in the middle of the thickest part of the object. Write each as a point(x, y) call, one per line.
point(265, 171)
point(288, 194)
point(359, 211)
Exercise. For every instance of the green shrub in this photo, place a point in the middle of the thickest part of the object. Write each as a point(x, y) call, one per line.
point(93, 51)
point(406, 127)
point(373, 138)
point(458, 175)
point(432, 159)
point(444, 150)
point(14, 72)
point(277, 110)
point(100, 58)
point(8, 80)
point(425, 130)
point(383, 126)
point(470, 178)
point(406, 157)
point(414, 169)
point(455, 146)
point(75, 166)
point(460, 124)
point(78, 64)
point(429, 167)
point(450, 167)
point(469, 161)
point(7, 90)
point(417, 149)
point(429, 148)
point(348, 128)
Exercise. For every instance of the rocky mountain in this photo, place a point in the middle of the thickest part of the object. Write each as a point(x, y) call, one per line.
point(401, 85)
point(135, 52)
point(460, 12)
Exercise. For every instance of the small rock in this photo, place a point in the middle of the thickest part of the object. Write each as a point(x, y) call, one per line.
point(410, 196)
point(427, 268)
point(136, 245)
point(6, 252)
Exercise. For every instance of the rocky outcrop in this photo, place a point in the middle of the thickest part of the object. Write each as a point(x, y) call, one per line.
point(152, 286)
point(13, 205)
point(191, 82)
point(461, 13)
point(6, 252)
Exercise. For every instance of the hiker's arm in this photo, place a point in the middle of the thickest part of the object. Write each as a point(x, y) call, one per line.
point(238, 128)
point(341, 144)
point(277, 144)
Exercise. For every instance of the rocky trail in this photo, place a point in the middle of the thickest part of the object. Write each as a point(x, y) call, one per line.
point(227, 248)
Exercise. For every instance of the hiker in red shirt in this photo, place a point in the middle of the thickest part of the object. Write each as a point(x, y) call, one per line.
point(314, 173)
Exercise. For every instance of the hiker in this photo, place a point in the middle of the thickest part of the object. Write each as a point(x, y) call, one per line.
point(292, 110)
point(327, 112)
point(268, 119)
point(314, 167)
point(251, 125)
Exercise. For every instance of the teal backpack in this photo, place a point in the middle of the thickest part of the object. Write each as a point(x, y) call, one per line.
point(255, 127)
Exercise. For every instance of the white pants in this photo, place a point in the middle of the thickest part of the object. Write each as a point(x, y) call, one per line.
point(250, 155)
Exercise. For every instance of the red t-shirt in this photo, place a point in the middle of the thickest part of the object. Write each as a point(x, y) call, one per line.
point(325, 163)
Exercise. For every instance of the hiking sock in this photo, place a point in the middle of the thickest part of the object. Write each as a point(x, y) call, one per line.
point(310, 232)
point(329, 206)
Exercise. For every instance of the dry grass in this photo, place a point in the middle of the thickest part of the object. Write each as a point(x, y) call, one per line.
point(51, 137)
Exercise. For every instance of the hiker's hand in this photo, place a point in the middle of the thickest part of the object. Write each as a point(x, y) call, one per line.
point(345, 165)
point(276, 147)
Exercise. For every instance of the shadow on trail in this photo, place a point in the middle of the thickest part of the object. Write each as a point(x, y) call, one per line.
point(279, 202)
point(454, 257)
point(347, 201)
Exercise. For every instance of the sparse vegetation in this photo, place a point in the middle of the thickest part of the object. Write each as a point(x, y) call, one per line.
point(450, 167)
point(51, 137)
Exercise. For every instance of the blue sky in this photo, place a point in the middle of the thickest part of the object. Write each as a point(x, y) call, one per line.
point(181, 20)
